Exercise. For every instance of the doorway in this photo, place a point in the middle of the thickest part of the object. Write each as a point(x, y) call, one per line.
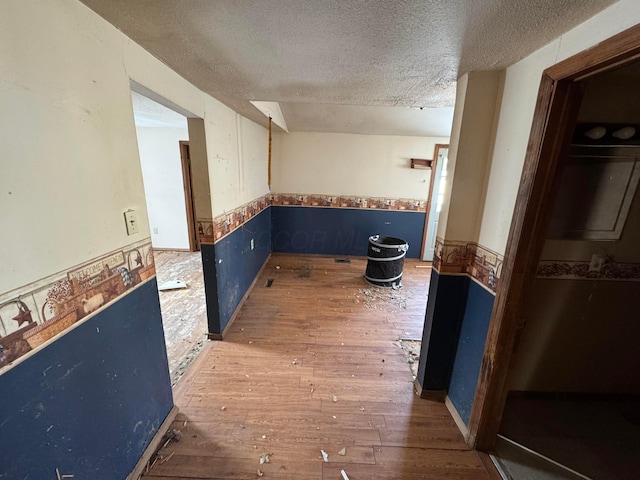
point(435, 200)
point(556, 116)
point(165, 156)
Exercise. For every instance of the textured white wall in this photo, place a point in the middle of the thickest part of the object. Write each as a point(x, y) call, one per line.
point(68, 142)
point(163, 185)
point(351, 164)
point(479, 95)
point(516, 115)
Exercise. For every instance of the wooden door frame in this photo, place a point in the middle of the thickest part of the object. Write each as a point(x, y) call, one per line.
point(188, 196)
point(553, 121)
point(434, 167)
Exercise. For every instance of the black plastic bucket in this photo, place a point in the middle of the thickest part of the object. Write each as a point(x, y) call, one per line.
point(385, 261)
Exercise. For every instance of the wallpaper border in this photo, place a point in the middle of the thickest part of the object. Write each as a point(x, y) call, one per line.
point(32, 315)
point(211, 230)
point(469, 258)
point(579, 270)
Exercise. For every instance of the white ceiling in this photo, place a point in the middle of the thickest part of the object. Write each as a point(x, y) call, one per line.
point(148, 113)
point(324, 60)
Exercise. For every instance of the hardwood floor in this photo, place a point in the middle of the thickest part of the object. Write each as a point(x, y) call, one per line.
point(313, 363)
point(184, 312)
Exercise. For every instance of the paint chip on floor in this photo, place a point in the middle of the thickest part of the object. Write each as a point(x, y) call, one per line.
point(172, 285)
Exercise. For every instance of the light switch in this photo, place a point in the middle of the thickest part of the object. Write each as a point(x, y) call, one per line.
point(132, 222)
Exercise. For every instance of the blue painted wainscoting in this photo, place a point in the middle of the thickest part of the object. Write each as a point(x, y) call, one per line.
point(455, 331)
point(473, 334)
point(230, 266)
point(445, 310)
point(89, 403)
point(342, 231)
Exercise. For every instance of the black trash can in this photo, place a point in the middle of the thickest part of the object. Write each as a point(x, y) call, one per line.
point(385, 261)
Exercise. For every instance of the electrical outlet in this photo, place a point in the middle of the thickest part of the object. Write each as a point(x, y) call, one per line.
point(155, 230)
point(252, 244)
point(131, 221)
point(597, 262)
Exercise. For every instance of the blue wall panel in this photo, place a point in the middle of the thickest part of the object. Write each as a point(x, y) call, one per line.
point(445, 310)
point(90, 402)
point(473, 334)
point(230, 266)
point(341, 231)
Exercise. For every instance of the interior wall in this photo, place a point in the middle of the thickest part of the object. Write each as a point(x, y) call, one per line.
point(577, 339)
point(67, 123)
point(516, 114)
point(349, 164)
point(163, 185)
point(201, 191)
point(333, 191)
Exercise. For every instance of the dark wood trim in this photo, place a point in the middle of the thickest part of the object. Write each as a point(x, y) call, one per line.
point(140, 467)
point(429, 199)
point(554, 118)
point(188, 196)
point(489, 466)
point(616, 51)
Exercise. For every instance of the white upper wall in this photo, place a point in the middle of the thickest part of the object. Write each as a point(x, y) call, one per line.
point(516, 115)
point(68, 142)
point(163, 185)
point(351, 164)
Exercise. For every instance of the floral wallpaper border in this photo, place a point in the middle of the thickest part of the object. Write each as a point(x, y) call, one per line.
point(579, 270)
point(350, 201)
point(33, 314)
point(210, 230)
point(469, 258)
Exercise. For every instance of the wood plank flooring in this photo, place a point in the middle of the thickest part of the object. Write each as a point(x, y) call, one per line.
point(184, 312)
point(313, 363)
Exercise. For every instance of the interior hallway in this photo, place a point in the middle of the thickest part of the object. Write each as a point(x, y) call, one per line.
point(184, 312)
point(312, 363)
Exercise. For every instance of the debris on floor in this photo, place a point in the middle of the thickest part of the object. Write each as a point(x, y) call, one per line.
point(260, 473)
point(334, 398)
point(172, 285)
point(343, 452)
point(344, 475)
point(373, 296)
point(325, 456)
point(265, 458)
point(172, 435)
point(411, 349)
point(186, 361)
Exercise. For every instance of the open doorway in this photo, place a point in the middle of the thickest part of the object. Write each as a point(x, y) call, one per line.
point(568, 299)
point(435, 201)
point(163, 143)
point(574, 391)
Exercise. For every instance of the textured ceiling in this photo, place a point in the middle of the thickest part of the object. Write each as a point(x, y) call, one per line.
point(400, 53)
point(148, 113)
